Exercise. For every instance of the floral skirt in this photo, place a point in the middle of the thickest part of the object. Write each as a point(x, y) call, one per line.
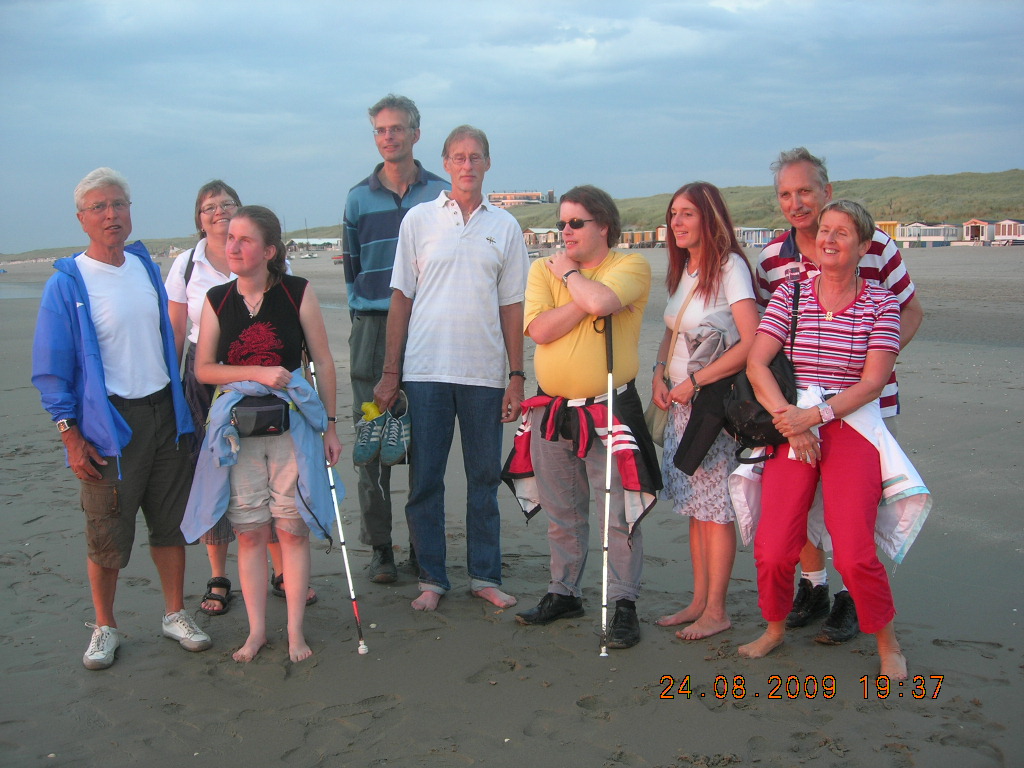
point(705, 496)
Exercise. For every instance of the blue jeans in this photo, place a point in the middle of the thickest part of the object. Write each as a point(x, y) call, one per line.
point(433, 408)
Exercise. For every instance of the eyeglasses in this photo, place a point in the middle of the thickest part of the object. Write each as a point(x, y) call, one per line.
point(572, 224)
point(461, 159)
point(227, 207)
point(119, 206)
point(394, 130)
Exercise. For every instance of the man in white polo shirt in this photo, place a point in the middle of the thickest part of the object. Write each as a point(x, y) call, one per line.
point(457, 296)
point(105, 365)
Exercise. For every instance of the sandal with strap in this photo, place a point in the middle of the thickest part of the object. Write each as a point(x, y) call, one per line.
point(277, 588)
point(217, 582)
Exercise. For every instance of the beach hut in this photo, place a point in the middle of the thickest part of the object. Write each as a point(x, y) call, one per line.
point(754, 237)
point(979, 231)
point(1009, 230)
point(540, 236)
point(889, 227)
point(922, 233)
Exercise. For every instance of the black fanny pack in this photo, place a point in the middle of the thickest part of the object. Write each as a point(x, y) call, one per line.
point(259, 416)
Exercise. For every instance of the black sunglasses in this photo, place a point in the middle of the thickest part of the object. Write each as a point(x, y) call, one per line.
point(572, 224)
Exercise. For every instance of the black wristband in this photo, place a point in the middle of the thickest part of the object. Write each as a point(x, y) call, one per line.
point(516, 373)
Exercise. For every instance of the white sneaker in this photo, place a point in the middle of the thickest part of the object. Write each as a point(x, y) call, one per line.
point(181, 627)
point(102, 648)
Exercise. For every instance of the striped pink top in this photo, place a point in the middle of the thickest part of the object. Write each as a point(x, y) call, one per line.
point(831, 353)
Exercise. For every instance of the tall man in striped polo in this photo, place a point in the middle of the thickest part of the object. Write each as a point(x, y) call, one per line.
point(373, 214)
point(803, 189)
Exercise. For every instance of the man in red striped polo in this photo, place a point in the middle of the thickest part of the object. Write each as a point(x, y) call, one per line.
point(802, 189)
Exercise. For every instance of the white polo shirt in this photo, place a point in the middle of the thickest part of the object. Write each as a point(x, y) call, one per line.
point(458, 275)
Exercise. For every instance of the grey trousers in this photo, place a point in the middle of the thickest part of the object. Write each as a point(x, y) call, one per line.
point(564, 483)
point(366, 363)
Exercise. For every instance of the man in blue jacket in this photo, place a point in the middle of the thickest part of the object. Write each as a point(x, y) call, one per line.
point(104, 362)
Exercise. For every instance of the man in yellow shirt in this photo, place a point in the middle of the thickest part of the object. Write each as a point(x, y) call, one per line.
point(569, 299)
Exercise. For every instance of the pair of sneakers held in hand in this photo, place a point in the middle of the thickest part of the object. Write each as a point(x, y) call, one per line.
point(385, 435)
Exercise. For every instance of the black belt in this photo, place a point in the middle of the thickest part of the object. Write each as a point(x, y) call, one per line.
point(369, 313)
point(153, 399)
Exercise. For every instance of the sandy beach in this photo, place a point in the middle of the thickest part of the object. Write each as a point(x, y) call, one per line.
point(466, 685)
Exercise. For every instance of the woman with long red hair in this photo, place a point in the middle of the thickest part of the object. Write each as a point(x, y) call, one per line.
point(707, 275)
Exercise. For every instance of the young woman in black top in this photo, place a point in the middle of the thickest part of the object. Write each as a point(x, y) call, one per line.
point(252, 329)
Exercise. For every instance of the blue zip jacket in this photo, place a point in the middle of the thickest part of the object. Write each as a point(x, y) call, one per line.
point(66, 365)
point(211, 486)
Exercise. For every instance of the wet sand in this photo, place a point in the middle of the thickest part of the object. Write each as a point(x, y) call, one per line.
point(466, 685)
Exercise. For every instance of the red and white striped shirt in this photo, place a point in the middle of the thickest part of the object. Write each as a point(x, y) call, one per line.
point(882, 263)
point(831, 353)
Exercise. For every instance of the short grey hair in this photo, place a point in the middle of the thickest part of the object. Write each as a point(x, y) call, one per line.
point(101, 177)
point(800, 155)
point(466, 132)
point(863, 221)
point(400, 103)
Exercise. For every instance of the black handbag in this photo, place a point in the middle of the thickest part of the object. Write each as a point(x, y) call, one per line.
point(260, 415)
point(745, 418)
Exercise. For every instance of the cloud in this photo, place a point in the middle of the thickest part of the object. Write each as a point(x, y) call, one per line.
point(639, 97)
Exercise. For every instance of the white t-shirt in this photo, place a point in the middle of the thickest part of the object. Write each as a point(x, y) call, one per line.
point(736, 285)
point(126, 312)
point(458, 275)
point(204, 277)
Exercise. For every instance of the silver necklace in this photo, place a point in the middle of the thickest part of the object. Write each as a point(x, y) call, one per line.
point(253, 308)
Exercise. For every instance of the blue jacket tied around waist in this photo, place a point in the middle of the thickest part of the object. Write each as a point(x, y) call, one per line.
point(211, 487)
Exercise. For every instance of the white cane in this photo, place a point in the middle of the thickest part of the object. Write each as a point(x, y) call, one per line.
point(607, 331)
point(341, 538)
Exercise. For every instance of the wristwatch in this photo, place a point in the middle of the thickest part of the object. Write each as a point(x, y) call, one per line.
point(63, 425)
point(827, 414)
point(520, 374)
point(693, 380)
point(565, 277)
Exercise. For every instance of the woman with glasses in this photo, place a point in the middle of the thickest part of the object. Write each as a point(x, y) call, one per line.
point(707, 275)
point(192, 274)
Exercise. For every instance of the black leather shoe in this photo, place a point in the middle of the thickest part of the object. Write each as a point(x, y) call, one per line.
point(624, 628)
point(841, 625)
point(382, 565)
point(809, 604)
point(552, 607)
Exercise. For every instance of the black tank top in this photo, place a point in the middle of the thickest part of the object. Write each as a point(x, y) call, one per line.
point(273, 337)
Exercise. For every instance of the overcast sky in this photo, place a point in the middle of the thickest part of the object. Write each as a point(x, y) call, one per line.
point(636, 97)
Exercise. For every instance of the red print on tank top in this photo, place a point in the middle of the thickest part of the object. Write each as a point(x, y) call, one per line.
point(256, 345)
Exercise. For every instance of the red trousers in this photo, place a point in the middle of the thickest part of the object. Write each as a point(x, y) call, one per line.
point(851, 486)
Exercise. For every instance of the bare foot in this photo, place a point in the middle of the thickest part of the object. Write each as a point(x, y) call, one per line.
point(690, 613)
point(299, 651)
point(248, 652)
point(495, 596)
point(764, 645)
point(894, 664)
point(427, 601)
point(703, 627)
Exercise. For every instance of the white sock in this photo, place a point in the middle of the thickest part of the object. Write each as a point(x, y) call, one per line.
point(817, 578)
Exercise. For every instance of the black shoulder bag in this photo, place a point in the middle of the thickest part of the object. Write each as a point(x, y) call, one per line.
point(745, 418)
